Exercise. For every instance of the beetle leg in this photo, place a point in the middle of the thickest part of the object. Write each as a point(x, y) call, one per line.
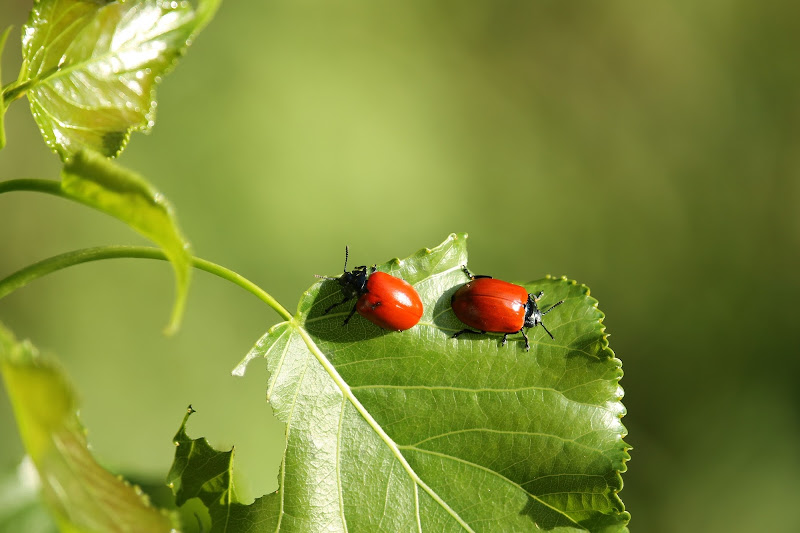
point(470, 275)
point(505, 337)
point(337, 304)
point(527, 343)
point(352, 312)
point(467, 330)
point(373, 269)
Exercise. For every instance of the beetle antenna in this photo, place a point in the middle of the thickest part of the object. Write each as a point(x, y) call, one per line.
point(346, 254)
point(551, 308)
point(547, 330)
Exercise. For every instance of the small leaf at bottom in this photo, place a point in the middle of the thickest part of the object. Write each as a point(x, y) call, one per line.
point(82, 495)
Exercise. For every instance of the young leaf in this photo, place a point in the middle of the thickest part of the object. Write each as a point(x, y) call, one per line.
point(80, 493)
point(92, 67)
point(105, 185)
point(417, 431)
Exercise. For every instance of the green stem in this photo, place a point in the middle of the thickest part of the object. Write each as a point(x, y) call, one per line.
point(13, 92)
point(34, 185)
point(35, 271)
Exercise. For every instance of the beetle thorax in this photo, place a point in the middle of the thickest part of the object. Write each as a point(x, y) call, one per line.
point(533, 315)
point(354, 283)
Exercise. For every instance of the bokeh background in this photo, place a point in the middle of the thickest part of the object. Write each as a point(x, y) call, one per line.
point(647, 149)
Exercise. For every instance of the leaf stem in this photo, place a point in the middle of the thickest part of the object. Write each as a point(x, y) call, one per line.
point(35, 271)
point(34, 185)
point(14, 91)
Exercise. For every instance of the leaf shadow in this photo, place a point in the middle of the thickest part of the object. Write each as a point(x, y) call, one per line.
point(443, 316)
point(330, 327)
point(545, 517)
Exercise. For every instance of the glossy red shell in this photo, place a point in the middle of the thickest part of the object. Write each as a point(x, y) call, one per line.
point(489, 304)
point(390, 302)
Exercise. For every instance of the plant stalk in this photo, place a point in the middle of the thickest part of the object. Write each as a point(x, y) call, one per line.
point(22, 277)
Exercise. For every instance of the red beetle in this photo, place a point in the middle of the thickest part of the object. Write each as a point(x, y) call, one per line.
point(386, 301)
point(497, 306)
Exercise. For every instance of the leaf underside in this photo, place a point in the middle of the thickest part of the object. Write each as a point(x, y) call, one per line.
point(94, 66)
point(79, 492)
point(417, 431)
point(113, 189)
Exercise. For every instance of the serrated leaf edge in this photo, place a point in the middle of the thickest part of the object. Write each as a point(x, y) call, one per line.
point(606, 348)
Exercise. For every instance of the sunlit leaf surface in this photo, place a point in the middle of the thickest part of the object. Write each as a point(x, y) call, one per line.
point(94, 66)
point(113, 189)
point(81, 494)
point(416, 431)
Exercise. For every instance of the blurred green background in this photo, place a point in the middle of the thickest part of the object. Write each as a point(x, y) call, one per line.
point(647, 149)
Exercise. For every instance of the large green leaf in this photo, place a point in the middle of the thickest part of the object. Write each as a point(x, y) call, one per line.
point(417, 431)
point(81, 494)
point(109, 187)
point(92, 66)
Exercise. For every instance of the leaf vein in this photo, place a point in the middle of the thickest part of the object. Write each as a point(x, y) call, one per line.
point(503, 432)
point(288, 432)
point(488, 390)
point(497, 474)
point(345, 388)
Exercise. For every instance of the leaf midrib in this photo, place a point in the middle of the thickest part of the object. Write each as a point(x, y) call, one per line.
point(347, 392)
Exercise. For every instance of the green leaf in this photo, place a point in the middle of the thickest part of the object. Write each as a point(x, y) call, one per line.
point(93, 66)
point(3, 38)
point(199, 471)
point(80, 493)
point(105, 185)
point(417, 431)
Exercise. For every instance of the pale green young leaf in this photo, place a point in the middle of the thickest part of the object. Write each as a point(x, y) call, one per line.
point(105, 185)
point(91, 67)
point(83, 496)
point(417, 431)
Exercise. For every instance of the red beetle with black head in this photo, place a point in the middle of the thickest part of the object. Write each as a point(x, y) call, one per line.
point(493, 305)
point(386, 301)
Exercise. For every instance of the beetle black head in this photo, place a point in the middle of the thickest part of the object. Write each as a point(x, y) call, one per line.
point(533, 315)
point(353, 283)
